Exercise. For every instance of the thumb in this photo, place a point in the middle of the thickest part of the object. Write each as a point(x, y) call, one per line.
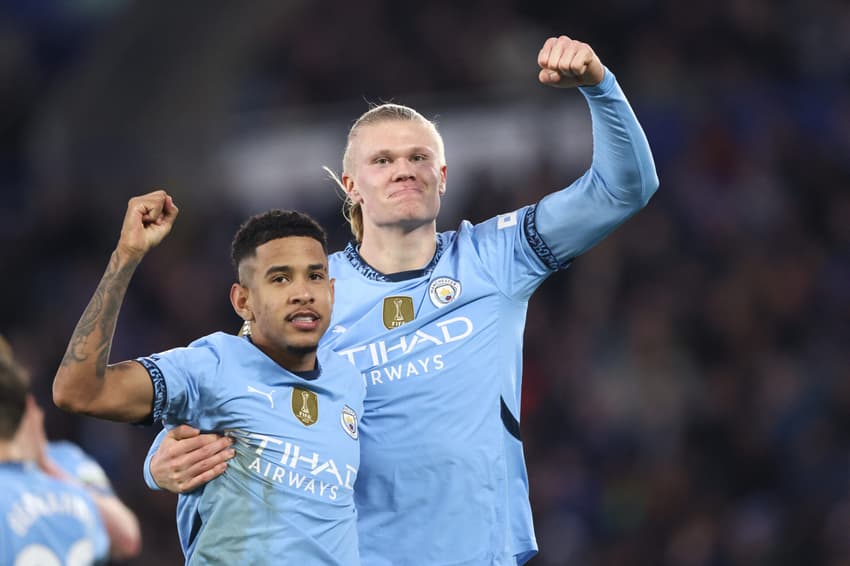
point(183, 432)
point(548, 76)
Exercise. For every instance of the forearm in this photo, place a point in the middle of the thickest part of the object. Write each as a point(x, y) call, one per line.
point(125, 534)
point(622, 158)
point(619, 182)
point(81, 378)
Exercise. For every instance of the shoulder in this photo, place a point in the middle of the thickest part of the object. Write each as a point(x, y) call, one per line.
point(64, 449)
point(330, 360)
point(28, 478)
point(504, 222)
point(202, 359)
point(502, 227)
point(217, 341)
point(77, 462)
point(210, 345)
point(341, 260)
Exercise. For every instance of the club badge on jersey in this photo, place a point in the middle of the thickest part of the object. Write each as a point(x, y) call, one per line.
point(443, 290)
point(397, 311)
point(348, 420)
point(305, 406)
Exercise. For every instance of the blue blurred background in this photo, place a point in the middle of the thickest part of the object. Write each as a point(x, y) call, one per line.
point(687, 382)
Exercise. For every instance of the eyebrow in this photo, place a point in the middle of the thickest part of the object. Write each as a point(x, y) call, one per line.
point(413, 149)
point(288, 268)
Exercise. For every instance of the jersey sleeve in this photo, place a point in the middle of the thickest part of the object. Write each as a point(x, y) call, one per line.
point(146, 470)
point(619, 182)
point(517, 261)
point(521, 248)
point(184, 383)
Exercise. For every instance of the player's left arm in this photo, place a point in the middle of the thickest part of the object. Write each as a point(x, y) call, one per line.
point(622, 176)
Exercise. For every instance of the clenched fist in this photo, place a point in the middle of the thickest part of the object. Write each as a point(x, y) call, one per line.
point(148, 220)
point(566, 63)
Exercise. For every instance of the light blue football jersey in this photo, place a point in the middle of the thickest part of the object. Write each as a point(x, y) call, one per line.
point(443, 478)
point(47, 521)
point(287, 495)
point(75, 462)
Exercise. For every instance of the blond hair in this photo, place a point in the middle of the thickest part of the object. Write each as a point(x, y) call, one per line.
point(387, 112)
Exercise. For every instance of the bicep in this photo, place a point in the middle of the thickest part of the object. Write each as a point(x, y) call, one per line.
point(127, 393)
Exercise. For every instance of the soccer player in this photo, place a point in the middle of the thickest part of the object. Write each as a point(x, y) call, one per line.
point(293, 409)
point(434, 322)
point(66, 460)
point(52, 515)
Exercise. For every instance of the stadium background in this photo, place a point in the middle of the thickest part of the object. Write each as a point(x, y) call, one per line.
point(687, 382)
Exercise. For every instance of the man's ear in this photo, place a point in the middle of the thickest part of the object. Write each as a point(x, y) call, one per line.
point(352, 192)
point(442, 180)
point(240, 298)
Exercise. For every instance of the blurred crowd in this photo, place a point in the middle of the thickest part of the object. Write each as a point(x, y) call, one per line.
point(686, 392)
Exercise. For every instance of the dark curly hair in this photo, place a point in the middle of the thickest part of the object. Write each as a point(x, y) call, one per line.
point(271, 225)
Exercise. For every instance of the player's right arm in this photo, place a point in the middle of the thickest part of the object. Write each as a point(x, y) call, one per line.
point(182, 459)
point(85, 383)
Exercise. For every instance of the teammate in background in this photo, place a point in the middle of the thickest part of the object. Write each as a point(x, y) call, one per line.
point(287, 494)
point(57, 505)
point(434, 322)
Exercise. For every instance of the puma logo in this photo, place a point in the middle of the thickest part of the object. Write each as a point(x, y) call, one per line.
point(263, 393)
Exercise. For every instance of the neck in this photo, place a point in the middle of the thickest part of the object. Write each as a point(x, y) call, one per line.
point(9, 452)
point(290, 360)
point(393, 251)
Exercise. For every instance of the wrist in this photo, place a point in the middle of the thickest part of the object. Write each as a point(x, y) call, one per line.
point(125, 257)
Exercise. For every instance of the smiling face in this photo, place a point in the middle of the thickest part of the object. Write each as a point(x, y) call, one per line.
point(286, 293)
point(396, 173)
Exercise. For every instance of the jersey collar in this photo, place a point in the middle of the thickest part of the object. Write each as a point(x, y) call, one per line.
point(353, 256)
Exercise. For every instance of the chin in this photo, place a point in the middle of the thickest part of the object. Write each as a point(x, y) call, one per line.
point(301, 349)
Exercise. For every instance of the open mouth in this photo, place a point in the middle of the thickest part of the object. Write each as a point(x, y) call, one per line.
point(304, 320)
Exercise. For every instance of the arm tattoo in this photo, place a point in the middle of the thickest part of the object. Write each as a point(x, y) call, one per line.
point(94, 331)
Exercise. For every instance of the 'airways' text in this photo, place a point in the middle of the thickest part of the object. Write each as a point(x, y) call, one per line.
point(408, 369)
point(292, 456)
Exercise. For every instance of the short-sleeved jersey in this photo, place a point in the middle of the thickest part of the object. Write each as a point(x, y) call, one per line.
point(47, 521)
point(75, 462)
point(287, 495)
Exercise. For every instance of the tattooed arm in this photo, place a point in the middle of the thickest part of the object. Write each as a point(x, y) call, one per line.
point(85, 383)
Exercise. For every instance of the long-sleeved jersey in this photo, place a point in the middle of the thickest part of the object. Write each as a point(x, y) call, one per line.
point(442, 478)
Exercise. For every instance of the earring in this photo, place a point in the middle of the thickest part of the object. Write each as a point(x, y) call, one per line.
point(246, 329)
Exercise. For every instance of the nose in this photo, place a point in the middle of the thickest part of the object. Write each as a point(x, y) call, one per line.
point(403, 170)
point(301, 293)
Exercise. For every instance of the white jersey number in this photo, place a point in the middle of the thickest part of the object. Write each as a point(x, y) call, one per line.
point(81, 553)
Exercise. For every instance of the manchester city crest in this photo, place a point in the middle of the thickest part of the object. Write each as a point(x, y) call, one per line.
point(348, 419)
point(443, 290)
